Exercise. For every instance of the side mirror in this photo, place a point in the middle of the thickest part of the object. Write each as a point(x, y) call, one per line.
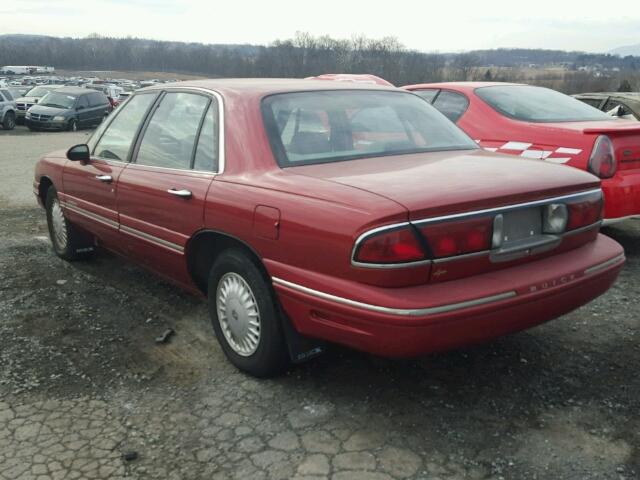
point(79, 153)
point(79, 107)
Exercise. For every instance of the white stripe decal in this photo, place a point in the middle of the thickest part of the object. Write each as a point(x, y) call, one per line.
point(516, 146)
point(491, 149)
point(539, 154)
point(568, 151)
point(557, 160)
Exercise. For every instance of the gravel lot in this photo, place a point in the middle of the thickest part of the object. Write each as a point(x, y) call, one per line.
point(85, 392)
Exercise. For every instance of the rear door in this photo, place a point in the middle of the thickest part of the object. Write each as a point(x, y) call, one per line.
point(84, 114)
point(89, 189)
point(162, 192)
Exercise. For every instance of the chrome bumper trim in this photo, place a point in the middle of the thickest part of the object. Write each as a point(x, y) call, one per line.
point(603, 265)
point(396, 311)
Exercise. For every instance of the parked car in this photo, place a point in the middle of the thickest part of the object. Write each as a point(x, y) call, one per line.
point(7, 109)
point(617, 104)
point(68, 108)
point(539, 123)
point(30, 99)
point(311, 210)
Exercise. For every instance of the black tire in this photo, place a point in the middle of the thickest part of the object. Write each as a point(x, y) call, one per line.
point(270, 356)
point(73, 125)
point(9, 121)
point(76, 245)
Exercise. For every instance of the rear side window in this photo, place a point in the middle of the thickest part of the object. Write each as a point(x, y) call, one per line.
point(451, 104)
point(207, 150)
point(170, 137)
point(116, 141)
point(428, 94)
point(97, 99)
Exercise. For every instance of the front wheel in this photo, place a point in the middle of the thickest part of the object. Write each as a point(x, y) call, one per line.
point(245, 317)
point(9, 121)
point(73, 125)
point(68, 243)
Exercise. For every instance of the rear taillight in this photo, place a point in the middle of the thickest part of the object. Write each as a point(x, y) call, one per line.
point(447, 239)
point(602, 161)
point(585, 212)
point(389, 247)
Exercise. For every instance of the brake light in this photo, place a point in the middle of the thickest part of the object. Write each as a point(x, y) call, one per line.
point(459, 237)
point(586, 212)
point(602, 161)
point(396, 246)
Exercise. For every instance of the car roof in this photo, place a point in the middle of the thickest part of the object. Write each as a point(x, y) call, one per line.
point(465, 86)
point(75, 90)
point(265, 86)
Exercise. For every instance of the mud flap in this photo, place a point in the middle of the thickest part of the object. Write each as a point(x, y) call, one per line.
point(301, 348)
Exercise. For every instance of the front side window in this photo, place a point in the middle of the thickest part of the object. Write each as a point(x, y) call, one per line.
point(58, 100)
point(171, 134)
point(83, 101)
point(320, 126)
point(115, 142)
point(538, 104)
point(451, 104)
point(6, 94)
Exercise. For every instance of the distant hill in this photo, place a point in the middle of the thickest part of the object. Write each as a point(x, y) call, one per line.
point(627, 50)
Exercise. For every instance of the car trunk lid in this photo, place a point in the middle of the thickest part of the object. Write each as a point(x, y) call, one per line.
point(443, 183)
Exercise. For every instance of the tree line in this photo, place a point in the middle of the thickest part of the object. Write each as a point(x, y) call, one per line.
point(307, 55)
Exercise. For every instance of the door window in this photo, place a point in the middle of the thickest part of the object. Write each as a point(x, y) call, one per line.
point(451, 104)
point(116, 141)
point(170, 137)
point(83, 102)
point(207, 150)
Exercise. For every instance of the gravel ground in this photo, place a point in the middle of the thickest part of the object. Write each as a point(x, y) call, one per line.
point(85, 392)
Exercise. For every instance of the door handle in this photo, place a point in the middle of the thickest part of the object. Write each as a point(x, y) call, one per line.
point(104, 178)
point(179, 193)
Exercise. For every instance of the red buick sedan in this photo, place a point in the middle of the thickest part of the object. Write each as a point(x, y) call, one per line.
point(309, 210)
point(539, 123)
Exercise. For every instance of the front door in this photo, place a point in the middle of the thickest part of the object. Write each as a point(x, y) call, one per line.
point(162, 192)
point(89, 188)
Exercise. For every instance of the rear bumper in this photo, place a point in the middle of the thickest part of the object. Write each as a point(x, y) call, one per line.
point(622, 196)
point(416, 320)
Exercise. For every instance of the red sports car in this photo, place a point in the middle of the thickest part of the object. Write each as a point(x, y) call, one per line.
point(539, 123)
point(309, 210)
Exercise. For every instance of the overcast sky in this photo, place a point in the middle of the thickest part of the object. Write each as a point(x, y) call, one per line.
point(428, 26)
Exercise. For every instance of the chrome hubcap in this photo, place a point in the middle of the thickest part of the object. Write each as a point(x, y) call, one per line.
point(59, 224)
point(238, 314)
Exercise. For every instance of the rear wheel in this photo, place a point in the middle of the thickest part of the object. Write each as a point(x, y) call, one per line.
point(67, 241)
point(9, 121)
point(73, 125)
point(245, 317)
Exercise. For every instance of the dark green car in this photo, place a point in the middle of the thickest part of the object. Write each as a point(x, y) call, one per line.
point(617, 104)
point(68, 108)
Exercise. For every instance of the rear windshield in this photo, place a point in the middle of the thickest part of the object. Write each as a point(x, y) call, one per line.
point(329, 126)
point(537, 104)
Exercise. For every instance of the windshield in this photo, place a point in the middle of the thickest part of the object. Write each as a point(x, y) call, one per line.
point(38, 92)
point(328, 126)
point(58, 100)
point(537, 104)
